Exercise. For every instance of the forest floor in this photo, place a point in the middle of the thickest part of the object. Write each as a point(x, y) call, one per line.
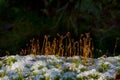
point(51, 67)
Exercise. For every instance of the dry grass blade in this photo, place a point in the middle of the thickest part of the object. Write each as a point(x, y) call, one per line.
point(62, 46)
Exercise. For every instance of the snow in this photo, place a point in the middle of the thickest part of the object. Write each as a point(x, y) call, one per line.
point(69, 75)
point(51, 67)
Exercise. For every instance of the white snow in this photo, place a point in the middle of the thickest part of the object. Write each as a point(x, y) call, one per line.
point(51, 67)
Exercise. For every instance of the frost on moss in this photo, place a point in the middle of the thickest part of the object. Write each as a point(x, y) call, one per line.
point(103, 67)
point(9, 61)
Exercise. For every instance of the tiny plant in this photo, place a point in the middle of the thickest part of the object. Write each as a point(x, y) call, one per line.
point(9, 61)
point(116, 42)
point(58, 66)
point(77, 62)
point(94, 76)
point(40, 67)
point(27, 66)
point(2, 74)
point(118, 70)
point(82, 78)
point(0, 64)
point(62, 45)
point(108, 78)
point(103, 67)
point(47, 78)
point(87, 48)
point(20, 76)
point(83, 69)
point(57, 77)
point(42, 78)
point(69, 78)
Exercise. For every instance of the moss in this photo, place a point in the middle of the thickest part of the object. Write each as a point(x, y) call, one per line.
point(40, 67)
point(83, 69)
point(47, 78)
point(58, 66)
point(20, 76)
point(27, 66)
point(103, 67)
point(42, 78)
point(118, 70)
point(70, 78)
point(57, 77)
point(0, 64)
point(107, 78)
point(94, 76)
point(9, 61)
point(77, 62)
point(2, 74)
point(82, 78)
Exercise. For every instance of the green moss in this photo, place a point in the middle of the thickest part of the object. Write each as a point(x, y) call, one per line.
point(94, 76)
point(58, 66)
point(66, 70)
point(0, 64)
point(27, 66)
point(57, 77)
point(40, 67)
point(47, 78)
point(108, 78)
point(42, 78)
point(70, 78)
point(104, 67)
point(82, 78)
point(2, 74)
point(118, 70)
point(9, 61)
point(35, 73)
point(20, 76)
point(83, 69)
point(77, 62)
point(102, 70)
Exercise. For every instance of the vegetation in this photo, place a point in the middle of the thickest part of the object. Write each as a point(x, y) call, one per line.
point(104, 67)
point(82, 78)
point(9, 61)
point(62, 46)
point(21, 20)
point(2, 74)
point(36, 67)
point(118, 70)
point(94, 76)
point(0, 64)
point(83, 69)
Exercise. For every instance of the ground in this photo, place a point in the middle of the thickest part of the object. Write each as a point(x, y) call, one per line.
point(51, 67)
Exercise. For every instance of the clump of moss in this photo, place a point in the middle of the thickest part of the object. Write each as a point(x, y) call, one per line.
point(2, 74)
point(40, 67)
point(82, 78)
point(0, 64)
point(118, 70)
point(9, 61)
point(94, 76)
point(83, 69)
point(103, 67)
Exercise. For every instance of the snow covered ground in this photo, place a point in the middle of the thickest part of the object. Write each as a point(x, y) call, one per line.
point(51, 67)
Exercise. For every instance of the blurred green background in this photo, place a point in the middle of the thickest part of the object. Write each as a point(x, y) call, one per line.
point(21, 20)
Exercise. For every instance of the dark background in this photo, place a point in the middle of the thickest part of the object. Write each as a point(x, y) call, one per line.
point(21, 20)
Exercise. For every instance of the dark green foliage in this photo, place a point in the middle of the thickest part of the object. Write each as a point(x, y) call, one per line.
point(82, 78)
point(94, 76)
point(36, 18)
point(9, 61)
point(104, 67)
